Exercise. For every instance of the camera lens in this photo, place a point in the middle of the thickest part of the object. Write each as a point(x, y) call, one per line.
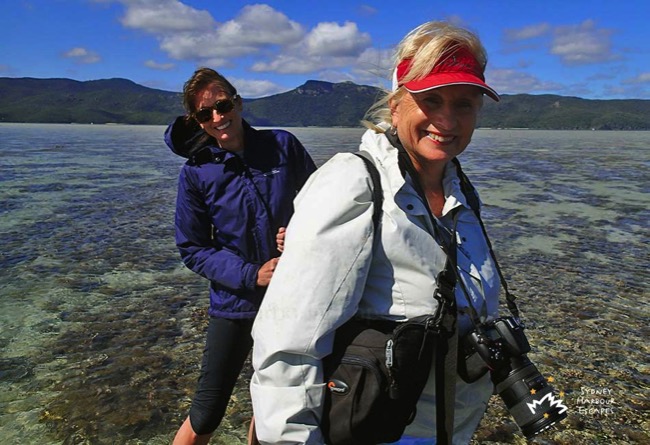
point(528, 396)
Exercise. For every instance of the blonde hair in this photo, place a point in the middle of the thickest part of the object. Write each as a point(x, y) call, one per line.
point(425, 46)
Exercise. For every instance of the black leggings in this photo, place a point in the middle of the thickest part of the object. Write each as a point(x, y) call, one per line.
point(227, 345)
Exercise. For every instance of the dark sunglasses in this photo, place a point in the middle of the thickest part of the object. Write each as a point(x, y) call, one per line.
point(221, 106)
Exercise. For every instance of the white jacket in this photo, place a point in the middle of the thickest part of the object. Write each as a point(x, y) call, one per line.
point(329, 272)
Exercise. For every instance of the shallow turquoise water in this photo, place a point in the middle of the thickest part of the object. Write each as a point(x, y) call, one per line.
point(101, 325)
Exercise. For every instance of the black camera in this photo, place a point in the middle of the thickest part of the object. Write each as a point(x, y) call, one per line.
point(500, 347)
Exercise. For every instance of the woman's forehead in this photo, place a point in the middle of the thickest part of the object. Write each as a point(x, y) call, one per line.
point(210, 94)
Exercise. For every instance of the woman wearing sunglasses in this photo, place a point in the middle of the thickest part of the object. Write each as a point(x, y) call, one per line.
point(235, 196)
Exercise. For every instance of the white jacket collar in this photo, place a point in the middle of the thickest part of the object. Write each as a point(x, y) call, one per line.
point(386, 156)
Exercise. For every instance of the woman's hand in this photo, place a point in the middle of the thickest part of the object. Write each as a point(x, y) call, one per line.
point(266, 272)
point(279, 238)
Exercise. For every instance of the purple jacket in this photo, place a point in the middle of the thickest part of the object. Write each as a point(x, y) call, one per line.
point(229, 208)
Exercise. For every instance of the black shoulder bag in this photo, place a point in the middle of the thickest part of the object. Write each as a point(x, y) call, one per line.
point(378, 368)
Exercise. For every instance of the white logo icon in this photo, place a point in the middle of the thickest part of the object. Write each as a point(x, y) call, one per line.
point(551, 400)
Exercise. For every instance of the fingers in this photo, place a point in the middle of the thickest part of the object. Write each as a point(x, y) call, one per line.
point(266, 272)
point(279, 238)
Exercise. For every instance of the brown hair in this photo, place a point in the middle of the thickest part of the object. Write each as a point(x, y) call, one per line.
point(201, 78)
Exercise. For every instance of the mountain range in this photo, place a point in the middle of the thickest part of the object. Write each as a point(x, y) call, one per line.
point(316, 103)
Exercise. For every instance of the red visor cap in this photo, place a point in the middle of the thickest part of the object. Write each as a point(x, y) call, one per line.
point(460, 68)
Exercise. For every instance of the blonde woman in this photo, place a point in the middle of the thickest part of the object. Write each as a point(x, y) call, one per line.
point(335, 267)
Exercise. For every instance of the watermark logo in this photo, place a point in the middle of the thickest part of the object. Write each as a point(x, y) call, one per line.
point(551, 402)
point(548, 401)
point(596, 401)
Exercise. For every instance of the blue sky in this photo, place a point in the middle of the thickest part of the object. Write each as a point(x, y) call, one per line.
point(592, 49)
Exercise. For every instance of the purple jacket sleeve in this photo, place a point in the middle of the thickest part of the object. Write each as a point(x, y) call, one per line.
point(199, 251)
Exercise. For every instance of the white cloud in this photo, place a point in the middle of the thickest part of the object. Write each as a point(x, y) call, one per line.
point(284, 63)
point(336, 76)
point(257, 88)
point(527, 32)
point(367, 10)
point(506, 81)
point(278, 43)
point(582, 44)
point(641, 78)
point(629, 91)
point(82, 55)
point(332, 39)
point(260, 25)
point(327, 46)
point(374, 66)
point(456, 20)
point(158, 66)
point(165, 16)
point(199, 47)
point(186, 33)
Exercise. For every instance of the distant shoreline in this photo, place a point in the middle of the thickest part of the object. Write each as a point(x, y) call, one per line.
point(315, 103)
point(120, 124)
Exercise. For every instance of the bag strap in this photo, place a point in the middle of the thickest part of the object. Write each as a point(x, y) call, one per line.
point(377, 191)
point(447, 344)
point(472, 199)
point(446, 279)
point(446, 349)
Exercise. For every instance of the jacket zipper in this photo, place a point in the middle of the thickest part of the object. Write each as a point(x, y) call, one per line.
point(364, 363)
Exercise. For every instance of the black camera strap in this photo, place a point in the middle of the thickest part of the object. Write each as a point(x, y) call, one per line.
point(445, 295)
point(470, 193)
point(446, 353)
point(446, 311)
point(446, 345)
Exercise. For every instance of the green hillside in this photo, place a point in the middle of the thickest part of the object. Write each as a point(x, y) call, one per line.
point(315, 103)
point(97, 101)
point(549, 112)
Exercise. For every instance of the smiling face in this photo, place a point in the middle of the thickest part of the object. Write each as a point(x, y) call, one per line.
point(226, 128)
point(436, 125)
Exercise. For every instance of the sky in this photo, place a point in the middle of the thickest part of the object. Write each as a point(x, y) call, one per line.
point(591, 49)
